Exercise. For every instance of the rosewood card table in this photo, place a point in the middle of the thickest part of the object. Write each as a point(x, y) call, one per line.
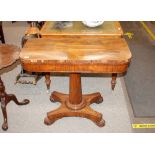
point(108, 29)
point(8, 55)
point(76, 56)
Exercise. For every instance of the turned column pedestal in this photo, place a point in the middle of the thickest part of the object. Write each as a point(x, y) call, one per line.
point(75, 103)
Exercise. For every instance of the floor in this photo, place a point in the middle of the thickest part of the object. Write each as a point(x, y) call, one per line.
point(140, 79)
point(29, 118)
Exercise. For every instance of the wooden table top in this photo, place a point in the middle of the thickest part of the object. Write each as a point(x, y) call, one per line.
point(76, 50)
point(8, 55)
point(107, 29)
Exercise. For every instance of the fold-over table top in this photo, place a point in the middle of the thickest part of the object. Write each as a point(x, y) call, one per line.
point(76, 50)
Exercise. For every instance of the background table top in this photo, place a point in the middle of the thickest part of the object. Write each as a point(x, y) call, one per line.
point(108, 28)
point(8, 54)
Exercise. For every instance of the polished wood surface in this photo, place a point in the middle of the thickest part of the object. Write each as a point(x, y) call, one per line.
point(92, 49)
point(81, 55)
point(77, 30)
point(75, 104)
point(107, 29)
point(75, 90)
point(8, 55)
point(91, 55)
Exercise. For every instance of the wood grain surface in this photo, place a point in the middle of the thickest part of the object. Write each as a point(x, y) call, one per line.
point(105, 50)
point(8, 54)
point(91, 54)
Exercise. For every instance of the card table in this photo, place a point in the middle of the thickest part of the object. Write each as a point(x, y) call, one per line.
point(75, 56)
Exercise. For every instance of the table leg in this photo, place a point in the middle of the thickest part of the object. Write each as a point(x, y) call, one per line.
point(2, 34)
point(113, 81)
point(75, 104)
point(47, 81)
point(5, 99)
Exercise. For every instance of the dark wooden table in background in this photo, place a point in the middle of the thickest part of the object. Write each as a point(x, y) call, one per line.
point(8, 55)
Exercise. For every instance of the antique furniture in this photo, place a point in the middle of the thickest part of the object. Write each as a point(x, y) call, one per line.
point(1, 33)
point(108, 29)
point(76, 56)
point(24, 77)
point(8, 55)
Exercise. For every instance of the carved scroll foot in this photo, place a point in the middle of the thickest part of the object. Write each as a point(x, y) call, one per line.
point(12, 97)
point(5, 123)
point(101, 123)
point(5, 99)
point(47, 121)
point(5, 126)
point(93, 98)
point(57, 97)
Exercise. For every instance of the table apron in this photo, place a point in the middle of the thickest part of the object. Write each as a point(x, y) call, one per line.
point(72, 68)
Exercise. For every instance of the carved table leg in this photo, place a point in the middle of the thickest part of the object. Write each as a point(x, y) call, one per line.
point(75, 104)
point(5, 99)
point(3, 107)
point(113, 81)
point(47, 81)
